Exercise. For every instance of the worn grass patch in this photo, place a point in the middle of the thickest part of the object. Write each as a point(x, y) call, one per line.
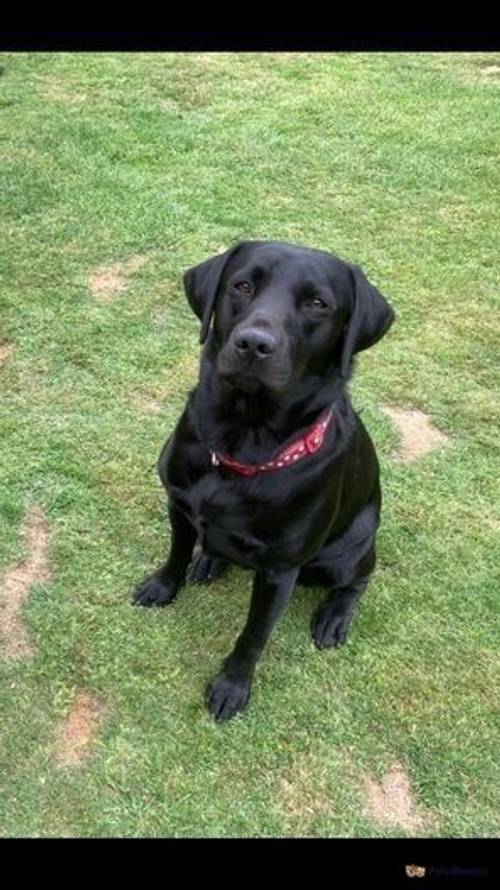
point(392, 802)
point(418, 436)
point(16, 584)
point(5, 350)
point(106, 281)
point(76, 734)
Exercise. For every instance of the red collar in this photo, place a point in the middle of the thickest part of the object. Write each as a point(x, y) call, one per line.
point(309, 443)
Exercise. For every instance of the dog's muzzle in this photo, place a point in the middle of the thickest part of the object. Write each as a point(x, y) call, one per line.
point(254, 344)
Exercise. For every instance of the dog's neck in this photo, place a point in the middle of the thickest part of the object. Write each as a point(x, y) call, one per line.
point(252, 426)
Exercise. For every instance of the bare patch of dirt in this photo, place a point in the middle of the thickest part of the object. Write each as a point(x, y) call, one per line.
point(76, 734)
point(16, 584)
point(5, 350)
point(107, 281)
point(418, 435)
point(391, 801)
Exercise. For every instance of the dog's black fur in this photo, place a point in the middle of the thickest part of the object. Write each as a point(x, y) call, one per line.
point(287, 321)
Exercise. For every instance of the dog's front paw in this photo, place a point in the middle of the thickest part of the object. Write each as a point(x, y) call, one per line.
point(153, 592)
point(330, 626)
point(204, 569)
point(226, 697)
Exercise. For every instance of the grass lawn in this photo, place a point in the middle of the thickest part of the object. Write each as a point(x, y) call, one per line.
point(118, 172)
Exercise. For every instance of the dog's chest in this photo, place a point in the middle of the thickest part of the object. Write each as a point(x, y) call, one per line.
point(248, 525)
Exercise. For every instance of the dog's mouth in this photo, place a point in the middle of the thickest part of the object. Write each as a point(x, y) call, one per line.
point(253, 384)
point(242, 382)
point(253, 374)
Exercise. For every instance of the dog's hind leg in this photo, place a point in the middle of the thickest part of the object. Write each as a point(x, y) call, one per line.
point(345, 567)
point(332, 620)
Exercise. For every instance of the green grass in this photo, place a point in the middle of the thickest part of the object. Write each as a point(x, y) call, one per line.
point(391, 161)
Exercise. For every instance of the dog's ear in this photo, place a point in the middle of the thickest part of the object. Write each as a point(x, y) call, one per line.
point(201, 284)
point(371, 317)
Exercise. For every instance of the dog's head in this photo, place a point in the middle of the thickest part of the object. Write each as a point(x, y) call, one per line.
point(282, 312)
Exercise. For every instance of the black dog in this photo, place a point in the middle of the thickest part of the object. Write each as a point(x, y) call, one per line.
point(269, 466)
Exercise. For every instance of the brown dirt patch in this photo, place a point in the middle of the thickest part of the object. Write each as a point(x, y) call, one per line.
point(391, 801)
point(418, 435)
point(5, 350)
point(76, 734)
point(16, 584)
point(107, 281)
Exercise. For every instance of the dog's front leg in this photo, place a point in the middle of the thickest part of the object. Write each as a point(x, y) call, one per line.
point(161, 587)
point(230, 691)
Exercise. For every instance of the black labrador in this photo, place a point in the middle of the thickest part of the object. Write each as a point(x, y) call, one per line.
point(269, 466)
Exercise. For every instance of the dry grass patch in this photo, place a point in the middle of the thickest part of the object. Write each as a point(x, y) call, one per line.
point(106, 282)
point(418, 435)
point(6, 349)
point(56, 90)
point(16, 585)
point(391, 802)
point(76, 734)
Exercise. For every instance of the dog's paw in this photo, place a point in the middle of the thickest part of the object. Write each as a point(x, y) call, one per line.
point(330, 626)
point(226, 697)
point(205, 569)
point(153, 592)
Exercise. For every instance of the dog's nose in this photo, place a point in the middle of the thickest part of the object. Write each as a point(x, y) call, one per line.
point(255, 343)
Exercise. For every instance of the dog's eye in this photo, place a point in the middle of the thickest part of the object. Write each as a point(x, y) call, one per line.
point(244, 287)
point(314, 303)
